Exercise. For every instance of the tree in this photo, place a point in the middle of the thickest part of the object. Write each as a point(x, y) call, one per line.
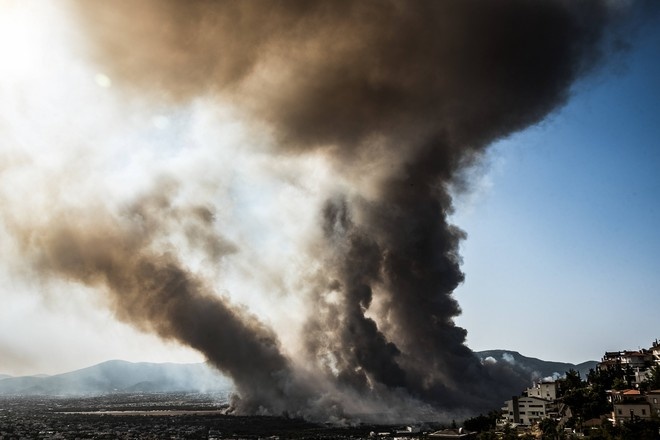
point(509, 433)
point(605, 377)
point(652, 381)
point(638, 429)
point(573, 379)
point(548, 429)
point(482, 422)
point(588, 400)
point(606, 431)
point(619, 384)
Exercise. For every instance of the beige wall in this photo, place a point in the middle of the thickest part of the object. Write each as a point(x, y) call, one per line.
point(544, 391)
point(622, 411)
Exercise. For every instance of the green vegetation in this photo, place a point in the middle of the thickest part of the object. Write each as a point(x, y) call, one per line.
point(652, 381)
point(482, 423)
point(587, 400)
point(635, 429)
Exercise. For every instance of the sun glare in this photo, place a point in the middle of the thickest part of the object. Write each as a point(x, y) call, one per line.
point(23, 42)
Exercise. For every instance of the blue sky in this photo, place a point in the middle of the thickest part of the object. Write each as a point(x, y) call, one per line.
point(563, 251)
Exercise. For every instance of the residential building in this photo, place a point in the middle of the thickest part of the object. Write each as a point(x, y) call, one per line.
point(627, 410)
point(633, 364)
point(542, 400)
point(544, 390)
point(655, 352)
point(635, 359)
point(525, 410)
point(629, 404)
point(653, 398)
point(618, 396)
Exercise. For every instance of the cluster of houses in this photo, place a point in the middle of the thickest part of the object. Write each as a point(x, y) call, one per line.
point(633, 402)
point(542, 399)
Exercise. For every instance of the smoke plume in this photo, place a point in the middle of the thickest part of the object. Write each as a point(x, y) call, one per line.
point(399, 99)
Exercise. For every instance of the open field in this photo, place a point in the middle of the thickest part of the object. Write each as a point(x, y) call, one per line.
point(155, 416)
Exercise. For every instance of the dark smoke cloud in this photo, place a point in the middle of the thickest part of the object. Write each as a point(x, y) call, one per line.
point(402, 97)
point(336, 73)
point(363, 349)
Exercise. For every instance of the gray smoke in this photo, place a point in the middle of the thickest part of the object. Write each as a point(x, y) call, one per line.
point(401, 97)
point(154, 291)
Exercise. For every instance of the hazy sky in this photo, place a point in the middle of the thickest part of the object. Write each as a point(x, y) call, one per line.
point(562, 251)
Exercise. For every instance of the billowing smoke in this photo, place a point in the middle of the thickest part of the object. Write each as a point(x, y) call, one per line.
point(155, 292)
point(399, 98)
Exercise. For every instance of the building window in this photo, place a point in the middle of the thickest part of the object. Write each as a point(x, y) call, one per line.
point(655, 400)
point(643, 412)
point(618, 411)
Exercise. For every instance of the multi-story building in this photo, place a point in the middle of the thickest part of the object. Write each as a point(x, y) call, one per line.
point(635, 359)
point(629, 404)
point(653, 398)
point(628, 410)
point(525, 410)
point(633, 364)
point(545, 390)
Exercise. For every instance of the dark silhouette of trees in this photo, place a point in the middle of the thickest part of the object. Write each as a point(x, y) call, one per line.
point(549, 429)
point(482, 422)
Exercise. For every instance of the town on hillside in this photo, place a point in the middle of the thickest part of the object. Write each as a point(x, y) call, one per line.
point(621, 394)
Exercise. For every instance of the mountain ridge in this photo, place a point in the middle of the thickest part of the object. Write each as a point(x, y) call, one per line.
point(121, 376)
point(117, 375)
point(536, 368)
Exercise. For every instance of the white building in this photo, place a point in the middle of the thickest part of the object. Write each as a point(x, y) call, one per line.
point(525, 410)
point(655, 351)
point(543, 390)
point(633, 364)
point(626, 358)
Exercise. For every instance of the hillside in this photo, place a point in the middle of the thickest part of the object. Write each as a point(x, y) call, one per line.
point(535, 368)
point(121, 376)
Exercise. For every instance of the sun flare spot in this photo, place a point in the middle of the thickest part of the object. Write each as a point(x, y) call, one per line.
point(23, 43)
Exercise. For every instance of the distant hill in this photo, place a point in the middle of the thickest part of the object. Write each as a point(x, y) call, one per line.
point(121, 376)
point(536, 368)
